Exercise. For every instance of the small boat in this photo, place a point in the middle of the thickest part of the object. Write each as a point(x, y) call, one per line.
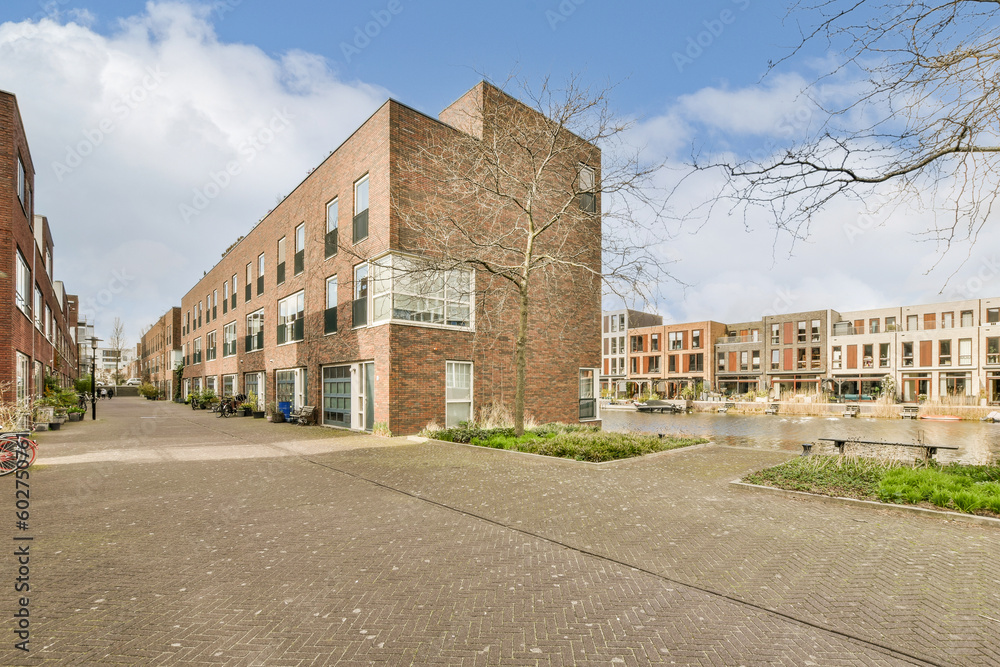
point(940, 418)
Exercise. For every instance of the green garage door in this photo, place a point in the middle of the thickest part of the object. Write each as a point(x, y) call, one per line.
point(337, 396)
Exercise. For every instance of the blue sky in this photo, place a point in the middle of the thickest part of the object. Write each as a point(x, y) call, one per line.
point(161, 95)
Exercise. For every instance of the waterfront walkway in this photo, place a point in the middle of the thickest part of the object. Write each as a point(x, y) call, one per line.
point(167, 536)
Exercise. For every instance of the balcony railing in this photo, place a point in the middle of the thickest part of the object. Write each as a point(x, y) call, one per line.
point(731, 340)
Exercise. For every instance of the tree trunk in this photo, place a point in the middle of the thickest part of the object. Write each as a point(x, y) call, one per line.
point(521, 359)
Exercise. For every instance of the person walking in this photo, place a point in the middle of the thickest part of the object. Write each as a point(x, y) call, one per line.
point(104, 392)
point(111, 393)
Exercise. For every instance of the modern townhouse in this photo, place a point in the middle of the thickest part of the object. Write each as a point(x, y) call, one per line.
point(739, 358)
point(670, 358)
point(298, 313)
point(160, 352)
point(863, 350)
point(37, 316)
point(795, 349)
point(616, 325)
point(939, 348)
point(989, 345)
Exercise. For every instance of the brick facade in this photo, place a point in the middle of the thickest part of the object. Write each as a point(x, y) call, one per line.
point(40, 323)
point(408, 359)
point(157, 351)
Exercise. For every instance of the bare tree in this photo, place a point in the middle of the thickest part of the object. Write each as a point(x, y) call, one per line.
point(919, 129)
point(517, 193)
point(118, 343)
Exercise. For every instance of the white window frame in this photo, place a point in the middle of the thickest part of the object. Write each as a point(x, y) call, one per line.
point(287, 318)
point(357, 184)
point(22, 296)
point(226, 341)
point(591, 393)
point(331, 294)
point(449, 382)
point(397, 280)
point(255, 324)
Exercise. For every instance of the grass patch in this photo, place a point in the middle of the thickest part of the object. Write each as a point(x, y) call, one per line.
point(956, 487)
point(569, 441)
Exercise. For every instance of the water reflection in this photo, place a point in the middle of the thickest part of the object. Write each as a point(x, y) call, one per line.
point(976, 440)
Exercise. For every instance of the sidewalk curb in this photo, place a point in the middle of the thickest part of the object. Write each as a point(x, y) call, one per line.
point(422, 439)
point(902, 509)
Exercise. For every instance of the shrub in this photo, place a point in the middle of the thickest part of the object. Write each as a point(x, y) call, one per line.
point(941, 498)
point(968, 501)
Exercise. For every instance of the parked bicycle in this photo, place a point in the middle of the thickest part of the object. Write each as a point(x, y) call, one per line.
point(229, 404)
point(17, 452)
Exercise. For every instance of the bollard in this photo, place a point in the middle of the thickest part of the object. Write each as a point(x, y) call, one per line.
point(807, 448)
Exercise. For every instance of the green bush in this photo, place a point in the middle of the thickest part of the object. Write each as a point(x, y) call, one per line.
point(941, 498)
point(968, 501)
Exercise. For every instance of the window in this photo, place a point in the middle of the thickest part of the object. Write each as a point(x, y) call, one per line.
point(814, 358)
point(755, 360)
point(868, 355)
point(614, 323)
point(696, 362)
point(225, 298)
point(588, 200)
point(947, 320)
point(255, 331)
point(229, 339)
point(280, 269)
point(744, 360)
point(992, 315)
point(883, 355)
point(654, 364)
point(944, 353)
point(621, 322)
point(300, 248)
point(614, 346)
point(22, 378)
point(802, 332)
point(22, 297)
point(775, 334)
point(208, 308)
point(614, 366)
point(636, 343)
point(993, 350)
point(361, 210)
point(196, 351)
point(197, 320)
point(815, 330)
point(360, 305)
point(873, 325)
point(330, 314)
point(800, 357)
point(907, 354)
point(290, 313)
point(675, 340)
point(955, 384)
point(696, 339)
point(330, 244)
point(260, 274)
point(404, 291)
point(967, 320)
point(233, 297)
point(911, 323)
point(249, 282)
point(634, 364)
point(964, 351)
point(22, 184)
point(588, 400)
point(837, 359)
point(775, 360)
point(720, 365)
point(39, 323)
point(228, 385)
point(49, 323)
point(890, 324)
point(654, 342)
point(210, 346)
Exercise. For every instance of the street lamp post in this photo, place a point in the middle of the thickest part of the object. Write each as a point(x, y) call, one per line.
point(93, 385)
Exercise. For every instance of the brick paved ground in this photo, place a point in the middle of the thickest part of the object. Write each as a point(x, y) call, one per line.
point(186, 539)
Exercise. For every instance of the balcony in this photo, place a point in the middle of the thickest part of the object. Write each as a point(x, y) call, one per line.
point(734, 340)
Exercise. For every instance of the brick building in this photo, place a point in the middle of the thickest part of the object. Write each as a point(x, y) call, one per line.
point(739, 355)
point(614, 351)
point(159, 352)
point(37, 317)
point(671, 358)
point(324, 302)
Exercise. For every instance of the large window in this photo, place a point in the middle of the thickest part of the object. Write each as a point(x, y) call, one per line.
point(944, 357)
point(22, 185)
point(836, 358)
point(249, 285)
point(755, 360)
point(300, 248)
point(458, 392)
point(775, 360)
point(802, 332)
point(776, 334)
point(359, 314)
point(229, 339)
point(290, 322)
point(22, 297)
point(361, 210)
point(964, 351)
point(330, 244)
point(588, 198)
point(588, 400)
point(696, 339)
point(260, 274)
point(868, 355)
point(228, 385)
point(39, 323)
point(404, 291)
point(255, 331)
point(280, 268)
point(196, 351)
point(992, 315)
point(696, 362)
point(330, 314)
point(883, 355)
point(22, 378)
point(815, 330)
point(911, 323)
point(890, 323)
point(225, 297)
point(675, 340)
point(993, 350)
point(907, 354)
point(210, 346)
point(947, 320)
point(967, 318)
point(233, 297)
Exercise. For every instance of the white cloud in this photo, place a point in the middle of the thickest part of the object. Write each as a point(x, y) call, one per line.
point(128, 128)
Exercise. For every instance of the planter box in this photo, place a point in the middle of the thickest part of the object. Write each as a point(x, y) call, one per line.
point(55, 426)
point(258, 415)
point(41, 426)
point(76, 416)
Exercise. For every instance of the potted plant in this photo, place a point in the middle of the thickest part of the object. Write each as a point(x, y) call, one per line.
point(272, 412)
point(75, 414)
point(208, 398)
point(195, 399)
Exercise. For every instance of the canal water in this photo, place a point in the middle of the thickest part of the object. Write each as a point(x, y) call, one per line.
point(977, 441)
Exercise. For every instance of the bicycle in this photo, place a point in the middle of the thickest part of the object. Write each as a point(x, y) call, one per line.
point(227, 407)
point(17, 452)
